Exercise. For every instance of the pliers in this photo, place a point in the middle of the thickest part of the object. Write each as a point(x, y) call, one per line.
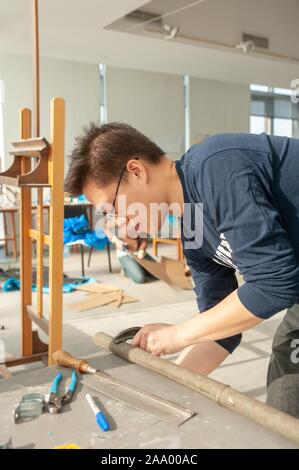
point(56, 402)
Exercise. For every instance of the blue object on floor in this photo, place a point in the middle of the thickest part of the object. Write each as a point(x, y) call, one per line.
point(77, 229)
point(11, 284)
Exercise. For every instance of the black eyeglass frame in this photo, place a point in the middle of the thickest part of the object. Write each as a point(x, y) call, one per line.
point(118, 185)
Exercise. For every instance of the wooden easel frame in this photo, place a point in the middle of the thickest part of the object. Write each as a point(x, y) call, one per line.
point(48, 172)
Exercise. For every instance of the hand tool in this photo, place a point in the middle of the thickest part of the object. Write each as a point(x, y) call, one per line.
point(56, 402)
point(100, 416)
point(125, 393)
point(126, 335)
point(31, 406)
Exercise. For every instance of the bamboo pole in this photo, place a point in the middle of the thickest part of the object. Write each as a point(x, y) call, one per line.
point(224, 395)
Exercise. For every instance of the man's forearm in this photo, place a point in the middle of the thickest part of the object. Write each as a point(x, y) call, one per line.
point(228, 318)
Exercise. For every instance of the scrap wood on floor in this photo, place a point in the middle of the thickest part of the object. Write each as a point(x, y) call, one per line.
point(174, 272)
point(99, 295)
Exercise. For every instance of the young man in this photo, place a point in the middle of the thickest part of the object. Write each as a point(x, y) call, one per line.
point(249, 188)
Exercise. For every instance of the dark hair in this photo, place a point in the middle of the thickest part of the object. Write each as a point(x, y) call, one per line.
point(102, 152)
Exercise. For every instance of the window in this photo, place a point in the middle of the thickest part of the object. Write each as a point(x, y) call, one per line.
point(259, 124)
point(103, 94)
point(283, 127)
point(273, 112)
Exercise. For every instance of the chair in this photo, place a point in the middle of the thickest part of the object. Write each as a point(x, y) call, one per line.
point(75, 211)
point(170, 224)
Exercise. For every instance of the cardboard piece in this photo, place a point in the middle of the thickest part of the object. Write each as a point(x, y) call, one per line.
point(168, 270)
point(97, 288)
point(99, 295)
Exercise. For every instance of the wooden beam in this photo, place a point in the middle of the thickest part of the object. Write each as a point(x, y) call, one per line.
point(18, 361)
point(56, 177)
point(42, 323)
point(34, 236)
point(25, 242)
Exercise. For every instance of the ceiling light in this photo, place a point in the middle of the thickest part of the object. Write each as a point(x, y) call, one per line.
point(246, 46)
point(170, 32)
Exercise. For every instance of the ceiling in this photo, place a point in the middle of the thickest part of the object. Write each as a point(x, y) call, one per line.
point(90, 31)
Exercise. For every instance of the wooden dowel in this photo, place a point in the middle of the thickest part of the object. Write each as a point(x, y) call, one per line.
point(36, 121)
point(36, 71)
point(25, 242)
point(271, 418)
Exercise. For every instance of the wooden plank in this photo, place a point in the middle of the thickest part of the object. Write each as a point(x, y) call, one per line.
point(39, 251)
point(25, 360)
point(56, 177)
point(97, 288)
point(42, 323)
point(96, 300)
point(25, 153)
point(34, 236)
point(99, 300)
point(9, 180)
point(25, 244)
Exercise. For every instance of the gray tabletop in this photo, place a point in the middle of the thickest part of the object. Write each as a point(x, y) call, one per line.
point(212, 427)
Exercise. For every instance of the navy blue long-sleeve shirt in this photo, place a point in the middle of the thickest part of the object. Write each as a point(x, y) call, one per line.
point(249, 187)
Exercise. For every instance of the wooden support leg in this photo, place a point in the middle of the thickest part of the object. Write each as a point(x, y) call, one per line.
point(82, 260)
point(89, 256)
point(5, 235)
point(155, 247)
point(56, 175)
point(14, 235)
point(109, 257)
point(39, 251)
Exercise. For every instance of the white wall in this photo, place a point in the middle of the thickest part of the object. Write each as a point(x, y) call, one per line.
point(217, 107)
point(151, 102)
point(154, 104)
point(76, 82)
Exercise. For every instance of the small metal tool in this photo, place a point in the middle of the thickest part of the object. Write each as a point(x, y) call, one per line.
point(31, 406)
point(56, 402)
point(126, 335)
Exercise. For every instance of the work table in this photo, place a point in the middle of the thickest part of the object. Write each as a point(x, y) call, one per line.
point(212, 427)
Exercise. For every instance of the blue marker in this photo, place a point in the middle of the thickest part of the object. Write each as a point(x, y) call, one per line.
point(100, 417)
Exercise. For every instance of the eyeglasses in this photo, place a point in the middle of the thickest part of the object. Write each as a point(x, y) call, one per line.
point(118, 185)
point(105, 215)
point(112, 215)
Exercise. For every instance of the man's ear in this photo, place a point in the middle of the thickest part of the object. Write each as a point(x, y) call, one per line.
point(136, 169)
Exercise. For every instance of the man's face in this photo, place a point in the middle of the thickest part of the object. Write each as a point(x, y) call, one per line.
point(135, 211)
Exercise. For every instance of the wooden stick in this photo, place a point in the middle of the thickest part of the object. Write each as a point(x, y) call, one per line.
point(36, 70)
point(40, 199)
point(25, 242)
point(271, 418)
point(56, 175)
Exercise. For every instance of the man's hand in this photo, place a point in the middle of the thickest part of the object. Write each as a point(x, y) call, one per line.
point(158, 339)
